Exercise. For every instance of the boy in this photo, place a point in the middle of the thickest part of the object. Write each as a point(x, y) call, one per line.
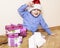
point(32, 17)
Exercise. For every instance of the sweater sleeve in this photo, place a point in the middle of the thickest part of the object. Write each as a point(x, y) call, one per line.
point(22, 10)
point(45, 26)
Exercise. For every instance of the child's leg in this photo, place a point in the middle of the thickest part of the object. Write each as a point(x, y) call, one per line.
point(25, 40)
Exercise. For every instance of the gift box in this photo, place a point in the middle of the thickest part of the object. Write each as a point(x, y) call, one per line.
point(15, 33)
point(14, 40)
point(19, 28)
point(23, 30)
point(36, 40)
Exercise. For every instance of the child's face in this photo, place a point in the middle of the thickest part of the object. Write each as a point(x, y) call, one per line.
point(36, 12)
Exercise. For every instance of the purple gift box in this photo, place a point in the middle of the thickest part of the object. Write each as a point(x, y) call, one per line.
point(15, 33)
point(19, 28)
point(14, 40)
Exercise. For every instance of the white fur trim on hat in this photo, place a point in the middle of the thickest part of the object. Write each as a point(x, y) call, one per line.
point(35, 6)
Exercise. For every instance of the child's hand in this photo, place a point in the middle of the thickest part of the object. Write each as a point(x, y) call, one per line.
point(30, 4)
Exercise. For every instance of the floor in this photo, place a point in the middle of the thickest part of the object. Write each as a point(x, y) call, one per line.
point(51, 41)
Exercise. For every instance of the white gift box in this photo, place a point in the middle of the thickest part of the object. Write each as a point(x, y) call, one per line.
point(36, 40)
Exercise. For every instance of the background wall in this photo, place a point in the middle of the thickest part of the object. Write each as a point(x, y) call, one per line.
point(9, 14)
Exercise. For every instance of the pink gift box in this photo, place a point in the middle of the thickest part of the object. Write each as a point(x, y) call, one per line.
point(14, 40)
point(19, 28)
point(10, 27)
point(15, 33)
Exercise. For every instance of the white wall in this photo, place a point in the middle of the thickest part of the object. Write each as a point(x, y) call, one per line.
point(51, 12)
point(9, 14)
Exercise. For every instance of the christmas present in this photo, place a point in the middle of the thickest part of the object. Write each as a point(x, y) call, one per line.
point(10, 27)
point(36, 40)
point(14, 40)
point(19, 28)
point(15, 33)
point(23, 30)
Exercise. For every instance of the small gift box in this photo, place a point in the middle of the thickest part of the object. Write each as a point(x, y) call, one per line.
point(19, 28)
point(14, 40)
point(23, 30)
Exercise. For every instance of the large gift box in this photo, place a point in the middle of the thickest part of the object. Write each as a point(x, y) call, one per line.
point(36, 40)
point(15, 33)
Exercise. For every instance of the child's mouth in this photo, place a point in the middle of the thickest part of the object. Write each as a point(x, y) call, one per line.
point(36, 13)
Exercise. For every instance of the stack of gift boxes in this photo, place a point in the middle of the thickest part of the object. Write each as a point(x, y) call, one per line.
point(15, 34)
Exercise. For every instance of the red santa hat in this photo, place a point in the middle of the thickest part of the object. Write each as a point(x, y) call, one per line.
point(37, 5)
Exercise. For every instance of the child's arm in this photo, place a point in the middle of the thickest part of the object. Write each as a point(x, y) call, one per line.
point(45, 26)
point(22, 10)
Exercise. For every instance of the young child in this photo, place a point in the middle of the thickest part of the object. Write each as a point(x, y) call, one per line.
point(32, 17)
